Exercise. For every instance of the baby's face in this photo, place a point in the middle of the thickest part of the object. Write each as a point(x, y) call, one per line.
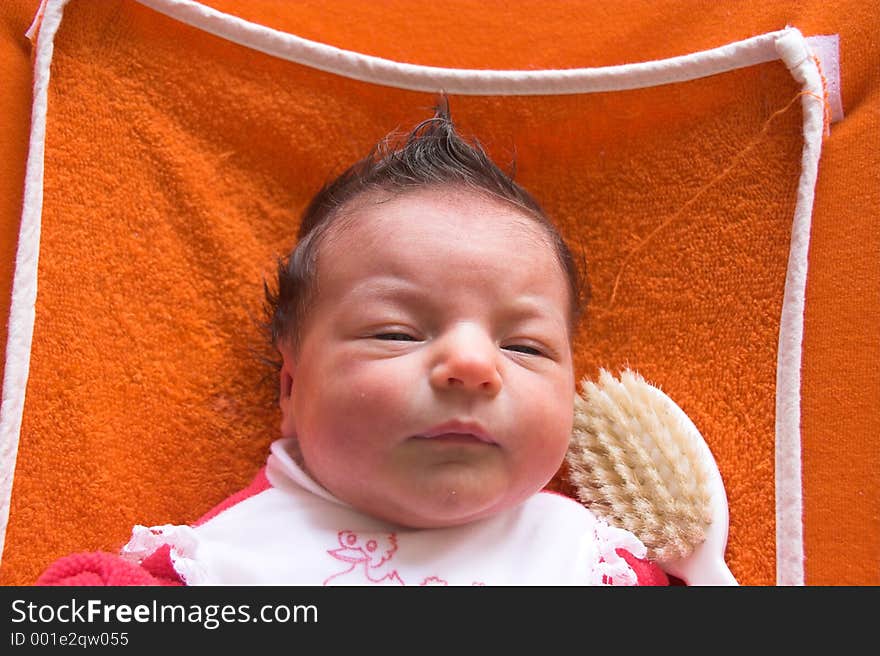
point(433, 384)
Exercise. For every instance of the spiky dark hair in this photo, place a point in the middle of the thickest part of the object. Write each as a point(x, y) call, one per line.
point(433, 154)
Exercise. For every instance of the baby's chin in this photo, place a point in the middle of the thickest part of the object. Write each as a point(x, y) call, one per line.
point(448, 507)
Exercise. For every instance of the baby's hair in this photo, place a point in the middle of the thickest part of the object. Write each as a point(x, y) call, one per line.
point(433, 155)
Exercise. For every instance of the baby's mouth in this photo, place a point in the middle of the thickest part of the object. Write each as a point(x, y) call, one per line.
point(457, 432)
point(453, 438)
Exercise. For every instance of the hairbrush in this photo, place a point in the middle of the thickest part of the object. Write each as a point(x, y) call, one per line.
point(638, 462)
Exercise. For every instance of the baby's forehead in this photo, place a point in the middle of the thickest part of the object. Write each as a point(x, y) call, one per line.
point(441, 243)
point(437, 214)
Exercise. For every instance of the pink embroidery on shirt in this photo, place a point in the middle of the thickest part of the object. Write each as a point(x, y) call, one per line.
point(434, 580)
point(366, 557)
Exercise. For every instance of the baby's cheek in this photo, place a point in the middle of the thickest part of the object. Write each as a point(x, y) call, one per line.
point(379, 394)
point(550, 414)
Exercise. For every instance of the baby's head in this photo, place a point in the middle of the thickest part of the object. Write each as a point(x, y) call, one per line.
point(424, 322)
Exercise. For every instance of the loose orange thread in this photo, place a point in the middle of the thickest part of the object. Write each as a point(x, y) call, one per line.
point(702, 190)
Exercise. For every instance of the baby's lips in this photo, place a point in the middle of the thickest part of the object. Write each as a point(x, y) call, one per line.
point(456, 439)
point(460, 427)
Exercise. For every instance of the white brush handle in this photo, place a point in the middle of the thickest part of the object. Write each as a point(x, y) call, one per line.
point(705, 565)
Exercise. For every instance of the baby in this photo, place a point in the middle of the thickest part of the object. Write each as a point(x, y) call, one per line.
point(424, 323)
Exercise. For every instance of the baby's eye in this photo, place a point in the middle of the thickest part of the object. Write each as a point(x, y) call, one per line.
point(395, 337)
point(522, 348)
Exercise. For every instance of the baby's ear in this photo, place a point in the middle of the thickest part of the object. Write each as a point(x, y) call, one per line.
point(285, 376)
point(285, 395)
point(286, 383)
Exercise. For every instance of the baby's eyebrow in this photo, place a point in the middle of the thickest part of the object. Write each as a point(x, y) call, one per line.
point(389, 288)
point(397, 290)
point(531, 308)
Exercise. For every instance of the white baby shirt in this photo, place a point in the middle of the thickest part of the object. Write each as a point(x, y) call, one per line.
point(297, 533)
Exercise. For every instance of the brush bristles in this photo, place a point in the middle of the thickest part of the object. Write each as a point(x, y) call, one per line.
point(633, 464)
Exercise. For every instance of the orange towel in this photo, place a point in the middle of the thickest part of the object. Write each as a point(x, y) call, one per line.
point(177, 163)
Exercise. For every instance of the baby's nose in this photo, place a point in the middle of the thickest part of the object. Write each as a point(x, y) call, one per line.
point(468, 359)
